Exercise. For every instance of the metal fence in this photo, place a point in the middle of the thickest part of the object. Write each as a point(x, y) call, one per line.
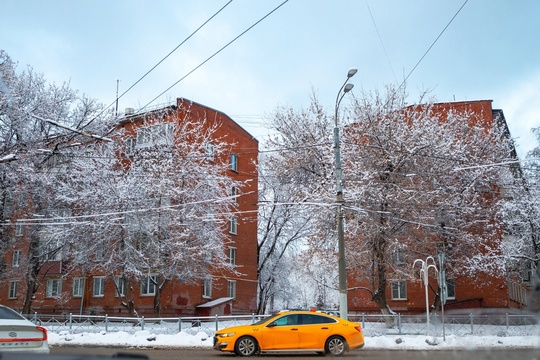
point(373, 325)
point(458, 325)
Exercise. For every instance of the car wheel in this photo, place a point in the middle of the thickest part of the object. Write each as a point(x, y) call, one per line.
point(335, 346)
point(246, 346)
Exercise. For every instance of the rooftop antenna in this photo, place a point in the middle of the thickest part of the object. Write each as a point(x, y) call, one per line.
point(116, 110)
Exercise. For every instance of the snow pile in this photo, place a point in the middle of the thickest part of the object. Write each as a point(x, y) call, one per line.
point(146, 338)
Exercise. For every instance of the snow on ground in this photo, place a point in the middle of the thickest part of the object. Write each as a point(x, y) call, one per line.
point(146, 338)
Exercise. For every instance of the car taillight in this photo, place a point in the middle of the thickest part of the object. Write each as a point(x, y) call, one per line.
point(358, 328)
point(45, 333)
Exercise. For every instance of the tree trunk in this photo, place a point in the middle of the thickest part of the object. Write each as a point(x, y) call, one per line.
point(31, 274)
point(157, 298)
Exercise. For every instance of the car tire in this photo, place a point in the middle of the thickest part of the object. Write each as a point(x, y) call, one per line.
point(335, 346)
point(246, 346)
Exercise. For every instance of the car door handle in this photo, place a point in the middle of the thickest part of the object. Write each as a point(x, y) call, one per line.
point(294, 329)
point(324, 328)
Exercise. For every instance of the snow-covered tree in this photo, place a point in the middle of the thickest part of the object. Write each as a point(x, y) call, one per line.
point(156, 215)
point(417, 180)
point(283, 227)
point(422, 179)
point(34, 118)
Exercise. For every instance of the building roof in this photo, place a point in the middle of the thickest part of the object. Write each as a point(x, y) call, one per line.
point(215, 302)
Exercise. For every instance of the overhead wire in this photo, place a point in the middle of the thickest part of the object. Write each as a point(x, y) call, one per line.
point(159, 63)
point(380, 40)
point(214, 54)
point(427, 51)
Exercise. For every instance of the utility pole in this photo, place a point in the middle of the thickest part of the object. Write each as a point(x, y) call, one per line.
point(343, 310)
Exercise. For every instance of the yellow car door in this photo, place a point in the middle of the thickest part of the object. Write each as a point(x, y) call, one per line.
point(314, 331)
point(281, 334)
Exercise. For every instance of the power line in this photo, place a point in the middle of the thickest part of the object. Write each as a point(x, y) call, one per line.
point(380, 39)
point(155, 66)
point(430, 47)
point(214, 54)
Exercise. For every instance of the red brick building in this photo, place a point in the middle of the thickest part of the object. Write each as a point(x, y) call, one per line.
point(407, 294)
point(96, 293)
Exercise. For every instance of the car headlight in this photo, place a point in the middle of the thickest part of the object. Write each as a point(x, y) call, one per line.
point(226, 334)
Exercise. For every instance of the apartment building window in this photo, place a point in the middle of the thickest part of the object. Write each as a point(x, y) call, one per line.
point(16, 260)
point(119, 281)
point(234, 193)
point(159, 134)
point(450, 289)
point(18, 228)
point(21, 199)
point(13, 285)
point(399, 290)
point(398, 258)
point(231, 288)
point(234, 162)
point(148, 285)
point(207, 288)
point(99, 286)
point(209, 150)
point(130, 146)
point(78, 287)
point(233, 225)
point(54, 288)
point(8, 205)
point(100, 253)
point(232, 256)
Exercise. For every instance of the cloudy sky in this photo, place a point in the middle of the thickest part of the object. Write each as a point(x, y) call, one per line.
point(487, 50)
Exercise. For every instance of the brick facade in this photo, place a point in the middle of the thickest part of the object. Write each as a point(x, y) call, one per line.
point(177, 298)
point(479, 291)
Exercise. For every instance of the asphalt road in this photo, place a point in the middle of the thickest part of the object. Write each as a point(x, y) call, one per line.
point(209, 354)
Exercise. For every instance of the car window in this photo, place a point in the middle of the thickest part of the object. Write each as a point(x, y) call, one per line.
point(287, 320)
point(8, 314)
point(316, 319)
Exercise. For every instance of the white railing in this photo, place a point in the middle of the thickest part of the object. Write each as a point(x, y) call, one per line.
point(373, 325)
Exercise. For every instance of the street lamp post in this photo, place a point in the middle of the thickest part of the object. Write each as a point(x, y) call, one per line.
point(424, 269)
point(345, 88)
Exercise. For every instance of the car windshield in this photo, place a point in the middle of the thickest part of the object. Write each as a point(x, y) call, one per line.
point(8, 314)
point(266, 319)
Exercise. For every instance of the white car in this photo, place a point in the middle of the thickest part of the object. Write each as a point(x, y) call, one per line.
point(19, 334)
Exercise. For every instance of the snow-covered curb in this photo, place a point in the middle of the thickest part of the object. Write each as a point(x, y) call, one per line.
point(201, 339)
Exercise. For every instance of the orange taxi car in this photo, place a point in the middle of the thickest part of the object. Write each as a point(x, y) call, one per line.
point(292, 331)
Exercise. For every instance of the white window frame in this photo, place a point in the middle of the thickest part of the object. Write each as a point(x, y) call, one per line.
point(207, 288)
point(233, 162)
point(234, 193)
point(100, 253)
point(233, 225)
point(13, 287)
point(399, 290)
point(78, 287)
point(18, 228)
point(21, 199)
point(131, 144)
point(98, 286)
point(157, 134)
point(398, 257)
point(120, 286)
point(16, 260)
point(232, 256)
point(148, 287)
point(231, 289)
point(210, 151)
point(54, 288)
point(450, 289)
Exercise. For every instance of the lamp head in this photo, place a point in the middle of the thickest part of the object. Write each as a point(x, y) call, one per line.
point(351, 72)
point(348, 87)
